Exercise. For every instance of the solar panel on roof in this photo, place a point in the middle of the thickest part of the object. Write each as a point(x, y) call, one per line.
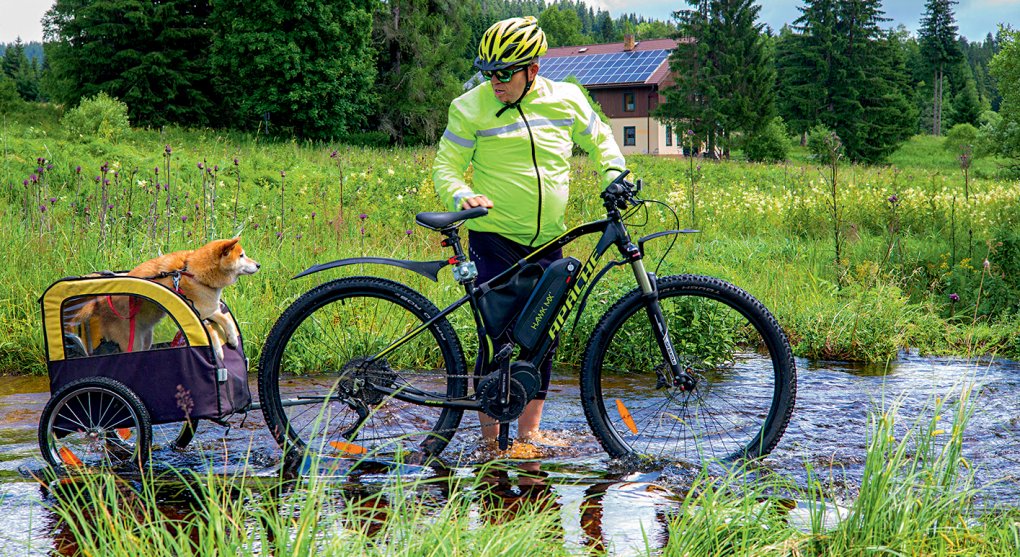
point(594, 69)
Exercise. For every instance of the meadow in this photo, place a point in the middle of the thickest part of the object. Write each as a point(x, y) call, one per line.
point(929, 258)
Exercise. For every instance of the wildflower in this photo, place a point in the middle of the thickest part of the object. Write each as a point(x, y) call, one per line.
point(298, 236)
point(255, 226)
point(408, 232)
point(362, 230)
point(106, 182)
point(53, 200)
point(279, 234)
point(283, 174)
point(987, 265)
point(33, 178)
point(216, 168)
point(893, 199)
point(362, 216)
point(954, 297)
point(77, 169)
point(42, 208)
point(49, 167)
point(184, 218)
point(157, 171)
point(168, 150)
point(313, 215)
point(235, 161)
point(24, 182)
point(334, 154)
point(201, 166)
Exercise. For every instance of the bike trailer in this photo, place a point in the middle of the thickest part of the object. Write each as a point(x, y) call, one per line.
point(179, 377)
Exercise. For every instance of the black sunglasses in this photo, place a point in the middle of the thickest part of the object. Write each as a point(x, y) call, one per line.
point(505, 75)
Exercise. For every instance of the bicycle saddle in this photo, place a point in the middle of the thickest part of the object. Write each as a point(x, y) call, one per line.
point(442, 221)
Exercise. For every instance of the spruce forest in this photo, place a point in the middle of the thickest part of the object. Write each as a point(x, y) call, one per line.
point(383, 73)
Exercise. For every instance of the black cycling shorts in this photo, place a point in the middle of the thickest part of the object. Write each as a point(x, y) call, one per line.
point(492, 254)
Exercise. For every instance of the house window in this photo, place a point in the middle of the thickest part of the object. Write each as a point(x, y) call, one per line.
point(629, 136)
point(669, 136)
point(628, 102)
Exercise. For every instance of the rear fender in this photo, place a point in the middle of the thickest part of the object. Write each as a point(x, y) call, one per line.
point(429, 269)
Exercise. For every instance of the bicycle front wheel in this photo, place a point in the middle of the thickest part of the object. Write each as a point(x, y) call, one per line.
point(745, 380)
point(328, 366)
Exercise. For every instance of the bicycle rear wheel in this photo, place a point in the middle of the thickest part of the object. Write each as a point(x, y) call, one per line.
point(318, 373)
point(739, 357)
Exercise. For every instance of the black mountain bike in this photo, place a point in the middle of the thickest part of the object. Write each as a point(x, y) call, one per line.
point(681, 367)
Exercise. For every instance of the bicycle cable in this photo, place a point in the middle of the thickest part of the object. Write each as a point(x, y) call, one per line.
point(672, 243)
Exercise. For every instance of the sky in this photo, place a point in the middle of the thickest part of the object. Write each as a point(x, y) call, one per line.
point(975, 18)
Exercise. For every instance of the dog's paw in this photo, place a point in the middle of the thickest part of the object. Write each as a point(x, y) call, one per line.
point(219, 350)
point(232, 339)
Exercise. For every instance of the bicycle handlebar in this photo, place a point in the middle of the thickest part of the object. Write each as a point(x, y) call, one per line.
point(620, 193)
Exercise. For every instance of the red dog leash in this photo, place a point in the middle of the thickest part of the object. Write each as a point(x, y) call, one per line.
point(134, 304)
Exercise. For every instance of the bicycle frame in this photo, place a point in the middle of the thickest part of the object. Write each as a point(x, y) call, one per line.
point(613, 233)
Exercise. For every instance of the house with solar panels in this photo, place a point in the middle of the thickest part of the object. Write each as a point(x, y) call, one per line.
point(627, 80)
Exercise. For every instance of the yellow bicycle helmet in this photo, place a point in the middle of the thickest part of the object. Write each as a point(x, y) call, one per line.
point(510, 42)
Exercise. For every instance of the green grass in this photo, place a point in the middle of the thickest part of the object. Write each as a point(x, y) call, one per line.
point(766, 228)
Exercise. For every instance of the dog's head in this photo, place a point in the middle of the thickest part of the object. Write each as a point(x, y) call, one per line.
point(233, 259)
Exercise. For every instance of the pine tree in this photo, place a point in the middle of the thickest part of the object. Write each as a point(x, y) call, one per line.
point(725, 77)
point(804, 66)
point(305, 66)
point(151, 55)
point(940, 49)
point(417, 76)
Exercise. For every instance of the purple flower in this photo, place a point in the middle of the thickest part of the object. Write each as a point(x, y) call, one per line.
point(954, 297)
point(40, 170)
point(283, 174)
point(334, 154)
point(53, 200)
point(313, 215)
point(362, 230)
point(255, 226)
point(168, 150)
point(362, 216)
point(106, 182)
point(298, 236)
point(894, 199)
point(98, 179)
point(216, 168)
point(408, 232)
point(33, 178)
point(49, 167)
point(42, 208)
point(24, 182)
point(184, 218)
point(987, 265)
point(157, 170)
point(235, 161)
point(279, 234)
point(110, 206)
point(201, 166)
point(77, 169)
point(105, 168)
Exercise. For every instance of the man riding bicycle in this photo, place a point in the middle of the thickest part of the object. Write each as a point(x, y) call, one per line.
point(517, 130)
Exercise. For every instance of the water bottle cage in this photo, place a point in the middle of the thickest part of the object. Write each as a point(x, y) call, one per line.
point(465, 272)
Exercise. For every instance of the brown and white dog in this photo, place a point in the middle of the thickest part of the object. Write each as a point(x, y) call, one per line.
point(202, 275)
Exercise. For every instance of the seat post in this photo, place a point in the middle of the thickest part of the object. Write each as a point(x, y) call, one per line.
point(452, 240)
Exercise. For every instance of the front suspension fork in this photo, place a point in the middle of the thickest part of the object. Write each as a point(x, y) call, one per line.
point(677, 376)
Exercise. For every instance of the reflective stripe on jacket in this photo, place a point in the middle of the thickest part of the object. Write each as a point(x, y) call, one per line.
point(521, 159)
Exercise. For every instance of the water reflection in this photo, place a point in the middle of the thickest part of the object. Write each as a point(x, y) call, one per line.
point(601, 504)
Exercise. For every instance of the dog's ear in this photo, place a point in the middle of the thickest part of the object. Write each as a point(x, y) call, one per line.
point(228, 246)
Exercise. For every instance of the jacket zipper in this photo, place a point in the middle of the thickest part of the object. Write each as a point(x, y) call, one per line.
point(538, 176)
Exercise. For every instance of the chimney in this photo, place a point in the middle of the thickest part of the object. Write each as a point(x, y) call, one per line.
point(628, 42)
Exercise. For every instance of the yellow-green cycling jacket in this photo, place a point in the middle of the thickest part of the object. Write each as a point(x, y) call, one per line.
point(521, 158)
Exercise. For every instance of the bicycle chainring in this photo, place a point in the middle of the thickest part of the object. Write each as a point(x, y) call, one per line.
point(488, 395)
point(359, 377)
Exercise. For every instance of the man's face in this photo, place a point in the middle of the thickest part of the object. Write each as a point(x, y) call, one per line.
point(512, 90)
